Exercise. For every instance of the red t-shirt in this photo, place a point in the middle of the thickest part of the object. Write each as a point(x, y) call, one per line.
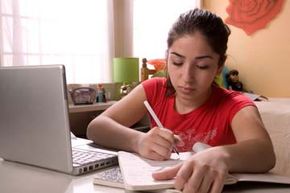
point(210, 123)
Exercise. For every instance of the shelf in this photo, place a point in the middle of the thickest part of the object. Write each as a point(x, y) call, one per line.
point(92, 107)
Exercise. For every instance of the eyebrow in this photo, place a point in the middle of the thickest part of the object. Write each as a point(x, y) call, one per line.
point(198, 57)
point(179, 55)
point(204, 57)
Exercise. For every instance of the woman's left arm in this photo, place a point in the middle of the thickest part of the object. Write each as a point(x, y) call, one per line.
point(253, 151)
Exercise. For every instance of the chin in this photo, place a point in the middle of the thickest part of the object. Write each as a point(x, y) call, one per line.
point(186, 96)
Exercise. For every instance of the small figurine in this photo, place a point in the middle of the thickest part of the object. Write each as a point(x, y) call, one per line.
point(233, 81)
point(101, 94)
point(145, 72)
point(125, 89)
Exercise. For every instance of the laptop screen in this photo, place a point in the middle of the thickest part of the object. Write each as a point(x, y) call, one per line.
point(34, 123)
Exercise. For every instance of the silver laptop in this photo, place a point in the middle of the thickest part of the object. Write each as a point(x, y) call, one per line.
point(34, 122)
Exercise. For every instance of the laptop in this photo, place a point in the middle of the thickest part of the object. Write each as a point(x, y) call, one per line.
point(34, 122)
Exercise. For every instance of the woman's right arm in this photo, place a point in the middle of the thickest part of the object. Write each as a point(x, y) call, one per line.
point(111, 128)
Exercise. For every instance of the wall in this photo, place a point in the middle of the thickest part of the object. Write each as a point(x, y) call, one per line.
point(263, 59)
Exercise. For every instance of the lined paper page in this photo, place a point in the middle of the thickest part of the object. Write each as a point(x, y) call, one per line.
point(137, 171)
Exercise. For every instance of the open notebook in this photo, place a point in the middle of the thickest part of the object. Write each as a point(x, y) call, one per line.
point(135, 173)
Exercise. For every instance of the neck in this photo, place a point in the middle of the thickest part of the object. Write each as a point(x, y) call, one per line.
point(186, 105)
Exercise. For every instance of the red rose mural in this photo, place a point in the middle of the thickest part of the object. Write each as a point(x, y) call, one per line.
point(252, 15)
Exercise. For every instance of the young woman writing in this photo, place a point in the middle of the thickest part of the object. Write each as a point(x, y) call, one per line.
point(191, 106)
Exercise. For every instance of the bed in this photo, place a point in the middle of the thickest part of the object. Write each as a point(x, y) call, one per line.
point(275, 114)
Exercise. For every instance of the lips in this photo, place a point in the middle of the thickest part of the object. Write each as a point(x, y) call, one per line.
point(186, 90)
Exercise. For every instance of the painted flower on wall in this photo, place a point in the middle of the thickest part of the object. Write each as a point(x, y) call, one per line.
point(252, 15)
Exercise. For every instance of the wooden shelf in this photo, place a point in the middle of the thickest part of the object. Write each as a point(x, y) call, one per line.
point(92, 107)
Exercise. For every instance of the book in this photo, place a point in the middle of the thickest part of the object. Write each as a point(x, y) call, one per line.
point(109, 177)
point(137, 173)
point(113, 177)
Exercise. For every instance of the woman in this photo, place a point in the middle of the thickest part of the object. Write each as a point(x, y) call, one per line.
point(192, 109)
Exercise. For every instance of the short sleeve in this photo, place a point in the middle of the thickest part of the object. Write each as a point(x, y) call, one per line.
point(154, 88)
point(238, 102)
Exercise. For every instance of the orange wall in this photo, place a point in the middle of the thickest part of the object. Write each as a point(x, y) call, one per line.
point(263, 58)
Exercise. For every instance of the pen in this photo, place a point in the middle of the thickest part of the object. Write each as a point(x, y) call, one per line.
point(157, 121)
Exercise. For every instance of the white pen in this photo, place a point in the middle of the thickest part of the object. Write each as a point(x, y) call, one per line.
point(157, 121)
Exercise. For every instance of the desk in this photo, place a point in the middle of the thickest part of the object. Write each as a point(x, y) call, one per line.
point(92, 107)
point(20, 178)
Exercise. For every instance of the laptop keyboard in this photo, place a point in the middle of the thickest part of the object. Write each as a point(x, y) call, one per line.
point(81, 157)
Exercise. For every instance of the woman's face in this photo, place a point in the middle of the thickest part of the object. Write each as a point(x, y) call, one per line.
point(192, 66)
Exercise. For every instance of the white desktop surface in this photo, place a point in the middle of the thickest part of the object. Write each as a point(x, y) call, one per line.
point(20, 178)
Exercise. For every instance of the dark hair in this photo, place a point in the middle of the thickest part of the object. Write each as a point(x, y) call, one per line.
point(209, 24)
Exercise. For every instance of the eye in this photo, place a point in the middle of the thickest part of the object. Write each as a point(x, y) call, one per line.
point(177, 63)
point(202, 67)
point(176, 60)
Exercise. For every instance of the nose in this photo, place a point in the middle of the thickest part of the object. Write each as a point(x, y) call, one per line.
point(188, 74)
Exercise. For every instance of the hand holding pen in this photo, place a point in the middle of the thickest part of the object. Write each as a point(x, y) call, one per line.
point(157, 121)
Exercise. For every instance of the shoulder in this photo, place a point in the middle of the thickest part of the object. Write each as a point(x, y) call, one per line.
point(230, 102)
point(154, 88)
point(154, 82)
point(231, 96)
